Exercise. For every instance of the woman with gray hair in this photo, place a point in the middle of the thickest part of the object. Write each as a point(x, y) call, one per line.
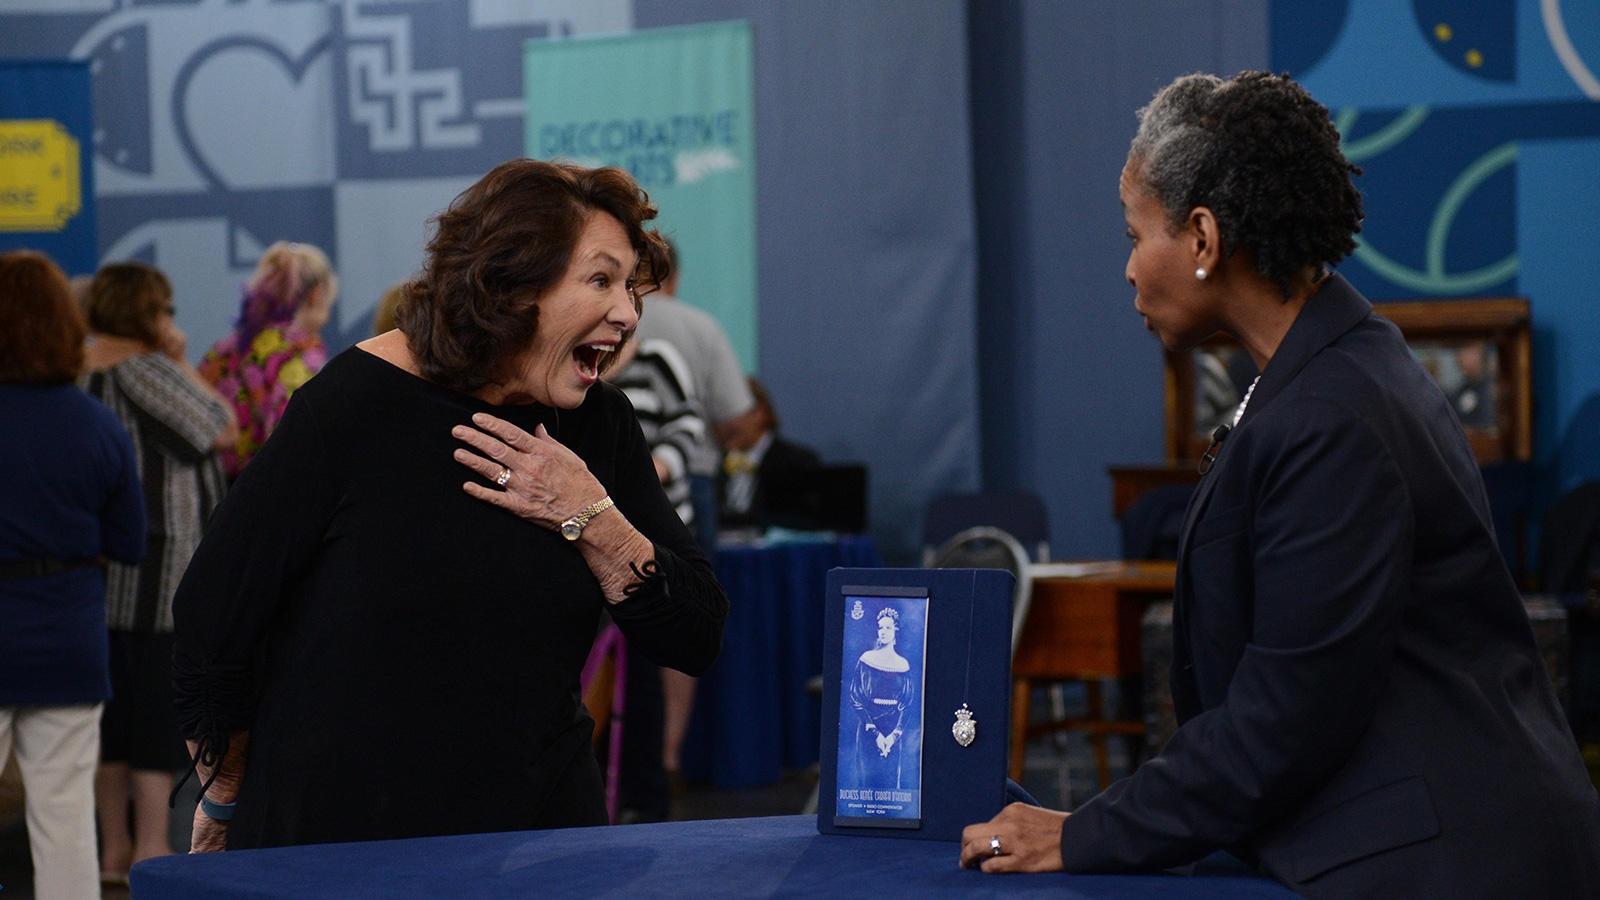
point(1353, 671)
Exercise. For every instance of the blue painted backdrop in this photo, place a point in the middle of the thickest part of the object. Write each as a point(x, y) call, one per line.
point(1478, 124)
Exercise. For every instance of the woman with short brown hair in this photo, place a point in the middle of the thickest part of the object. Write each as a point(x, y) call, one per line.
point(130, 300)
point(71, 498)
point(421, 638)
point(41, 341)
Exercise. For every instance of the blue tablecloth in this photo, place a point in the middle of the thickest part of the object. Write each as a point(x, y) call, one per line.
point(781, 856)
point(753, 717)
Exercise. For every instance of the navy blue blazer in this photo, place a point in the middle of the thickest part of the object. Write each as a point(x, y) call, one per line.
point(1362, 707)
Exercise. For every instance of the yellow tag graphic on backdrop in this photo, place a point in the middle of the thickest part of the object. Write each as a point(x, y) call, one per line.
point(39, 177)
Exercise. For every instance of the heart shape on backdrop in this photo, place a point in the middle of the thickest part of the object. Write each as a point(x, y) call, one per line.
point(250, 116)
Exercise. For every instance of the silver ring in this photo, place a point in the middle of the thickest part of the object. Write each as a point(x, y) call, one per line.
point(994, 845)
point(504, 476)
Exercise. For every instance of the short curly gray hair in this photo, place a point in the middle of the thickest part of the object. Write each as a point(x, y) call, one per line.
point(1172, 143)
point(1263, 156)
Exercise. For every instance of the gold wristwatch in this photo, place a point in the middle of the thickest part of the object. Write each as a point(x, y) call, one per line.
point(572, 529)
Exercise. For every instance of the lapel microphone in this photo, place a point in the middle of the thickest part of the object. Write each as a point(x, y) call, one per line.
point(1209, 458)
point(1221, 434)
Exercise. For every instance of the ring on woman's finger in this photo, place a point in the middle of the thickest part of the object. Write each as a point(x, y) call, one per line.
point(994, 846)
point(504, 476)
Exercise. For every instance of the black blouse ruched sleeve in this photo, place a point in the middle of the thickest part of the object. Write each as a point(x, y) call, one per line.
point(675, 617)
point(259, 542)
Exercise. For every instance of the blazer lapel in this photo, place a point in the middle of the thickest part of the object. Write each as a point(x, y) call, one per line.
point(1334, 309)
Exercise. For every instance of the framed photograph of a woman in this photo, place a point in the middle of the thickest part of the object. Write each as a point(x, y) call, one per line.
point(880, 712)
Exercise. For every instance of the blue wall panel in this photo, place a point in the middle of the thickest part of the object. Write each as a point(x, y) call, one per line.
point(867, 243)
point(1071, 381)
point(1478, 126)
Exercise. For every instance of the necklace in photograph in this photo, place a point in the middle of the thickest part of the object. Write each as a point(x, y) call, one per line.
point(965, 729)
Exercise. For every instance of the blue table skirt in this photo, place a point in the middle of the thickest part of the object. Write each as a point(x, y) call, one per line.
point(781, 856)
point(753, 717)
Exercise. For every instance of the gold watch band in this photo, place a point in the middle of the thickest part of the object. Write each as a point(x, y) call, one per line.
point(592, 510)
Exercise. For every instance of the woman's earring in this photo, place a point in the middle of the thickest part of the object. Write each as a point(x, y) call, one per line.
point(1200, 273)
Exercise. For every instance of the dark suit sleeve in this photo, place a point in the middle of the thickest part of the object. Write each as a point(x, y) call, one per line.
point(1330, 550)
point(675, 618)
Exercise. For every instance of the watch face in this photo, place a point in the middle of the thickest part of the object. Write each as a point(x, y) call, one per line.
point(571, 530)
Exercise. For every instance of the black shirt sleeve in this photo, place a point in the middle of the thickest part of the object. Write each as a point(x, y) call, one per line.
point(258, 544)
point(675, 616)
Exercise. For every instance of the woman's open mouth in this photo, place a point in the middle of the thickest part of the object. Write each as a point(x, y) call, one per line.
point(593, 358)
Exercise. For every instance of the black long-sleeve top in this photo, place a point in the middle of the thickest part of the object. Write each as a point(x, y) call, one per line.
point(407, 658)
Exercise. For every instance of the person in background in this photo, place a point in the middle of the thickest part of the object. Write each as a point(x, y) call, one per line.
point(79, 285)
point(655, 378)
point(70, 499)
point(276, 344)
point(700, 399)
point(384, 315)
point(759, 456)
point(1363, 710)
point(713, 384)
point(137, 367)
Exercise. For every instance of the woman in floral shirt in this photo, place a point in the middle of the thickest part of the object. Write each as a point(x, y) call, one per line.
point(276, 346)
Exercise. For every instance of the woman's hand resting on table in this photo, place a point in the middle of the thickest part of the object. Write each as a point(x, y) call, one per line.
point(1030, 841)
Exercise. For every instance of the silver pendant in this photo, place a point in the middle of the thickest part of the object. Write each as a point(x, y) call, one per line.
point(966, 727)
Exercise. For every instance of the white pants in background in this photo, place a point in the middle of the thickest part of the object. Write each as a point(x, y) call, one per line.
point(57, 749)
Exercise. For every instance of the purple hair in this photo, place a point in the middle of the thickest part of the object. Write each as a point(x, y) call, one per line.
point(285, 277)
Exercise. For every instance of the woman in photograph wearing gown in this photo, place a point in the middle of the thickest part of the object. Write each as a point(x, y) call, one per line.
point(880, 692)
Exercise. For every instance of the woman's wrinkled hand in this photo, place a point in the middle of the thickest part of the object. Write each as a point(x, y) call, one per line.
point(209, 835)
point(1030, 841)
point(544, 482)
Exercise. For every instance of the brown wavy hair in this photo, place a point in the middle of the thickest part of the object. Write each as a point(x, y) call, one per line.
point(501, 245)
point(41, 330)
point(126, 299)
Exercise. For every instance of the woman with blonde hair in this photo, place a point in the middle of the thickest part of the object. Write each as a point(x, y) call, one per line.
point(385, 315)
point(276, 345)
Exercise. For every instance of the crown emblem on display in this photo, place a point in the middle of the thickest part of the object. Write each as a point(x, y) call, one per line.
point(965, 728)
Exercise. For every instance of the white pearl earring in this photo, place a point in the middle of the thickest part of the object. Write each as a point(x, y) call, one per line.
point(1200, 273)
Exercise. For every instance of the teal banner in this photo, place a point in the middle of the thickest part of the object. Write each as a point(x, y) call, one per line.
point(46, 162)
point(675, 107)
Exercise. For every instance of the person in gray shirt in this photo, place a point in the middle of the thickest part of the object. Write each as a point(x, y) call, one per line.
point(715, 382)
point(692, 399)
